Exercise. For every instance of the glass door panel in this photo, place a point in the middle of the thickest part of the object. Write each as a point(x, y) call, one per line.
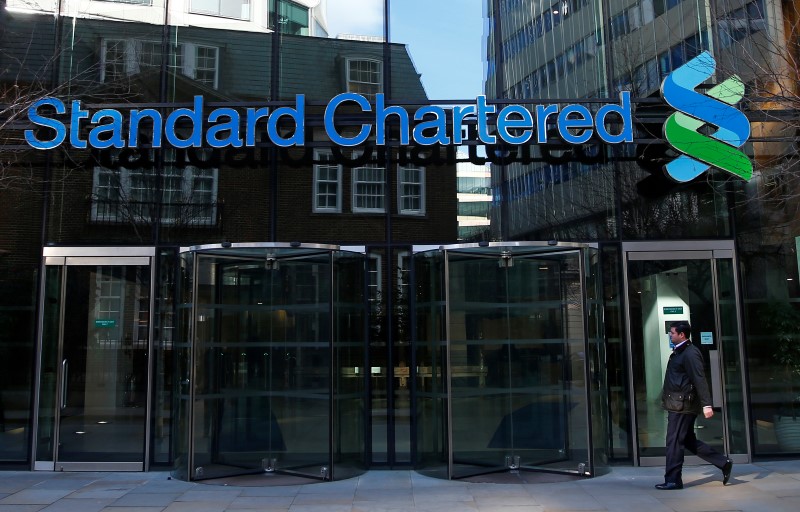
point(262, 366)
point(103, 368)
point(479, 365)
point(48, 375)
point(702, 292)
point(517, 363)
point(732, 380)
point(550, 415)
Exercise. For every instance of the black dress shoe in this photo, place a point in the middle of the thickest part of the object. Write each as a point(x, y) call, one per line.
point(726, 471)
point(669, 486)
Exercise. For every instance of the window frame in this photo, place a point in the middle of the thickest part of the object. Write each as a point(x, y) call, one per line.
point(348, 64)
point(420, 184)
point(355, 182)
point(190, 9)
point(132, 50)
point(315, 190)
point(125, 177)
point(190, 58)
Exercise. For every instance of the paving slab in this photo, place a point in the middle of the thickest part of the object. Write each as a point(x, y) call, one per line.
point(772, 486)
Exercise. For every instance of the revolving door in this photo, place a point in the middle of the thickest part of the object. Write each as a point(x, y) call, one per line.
point(509, 354)
point(270, 363)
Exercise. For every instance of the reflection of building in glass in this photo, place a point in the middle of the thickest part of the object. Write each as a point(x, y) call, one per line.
point(573, 51)
point(139, 209)
point(474, 200)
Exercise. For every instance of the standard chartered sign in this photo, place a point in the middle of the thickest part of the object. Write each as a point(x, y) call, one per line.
point(228, 127)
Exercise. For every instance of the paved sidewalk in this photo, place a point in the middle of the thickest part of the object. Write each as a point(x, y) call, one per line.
point(766, 486)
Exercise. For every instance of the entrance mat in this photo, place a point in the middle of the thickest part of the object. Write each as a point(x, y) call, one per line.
point(260, 480)
point(520, 477)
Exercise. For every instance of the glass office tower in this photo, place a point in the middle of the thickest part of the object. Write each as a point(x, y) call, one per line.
point(718, 251)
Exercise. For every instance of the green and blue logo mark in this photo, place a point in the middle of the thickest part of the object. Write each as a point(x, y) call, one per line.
point(694, 110)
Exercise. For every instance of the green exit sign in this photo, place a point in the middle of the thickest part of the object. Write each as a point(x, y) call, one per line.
point(673, 310)
point(107, 323)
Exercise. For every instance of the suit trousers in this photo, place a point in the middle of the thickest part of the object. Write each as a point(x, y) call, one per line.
point(680, 435)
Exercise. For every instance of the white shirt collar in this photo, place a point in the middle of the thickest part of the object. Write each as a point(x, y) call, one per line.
point(684, 342)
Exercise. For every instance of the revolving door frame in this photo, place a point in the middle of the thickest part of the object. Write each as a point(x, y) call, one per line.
point(258, 253)
point(517, 249)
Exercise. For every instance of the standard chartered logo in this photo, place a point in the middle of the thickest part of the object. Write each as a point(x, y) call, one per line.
point(720, 148)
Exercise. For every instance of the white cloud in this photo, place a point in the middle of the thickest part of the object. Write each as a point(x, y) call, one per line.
point(363, 17)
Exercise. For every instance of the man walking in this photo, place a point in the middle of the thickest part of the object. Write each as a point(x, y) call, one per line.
point(685, 394)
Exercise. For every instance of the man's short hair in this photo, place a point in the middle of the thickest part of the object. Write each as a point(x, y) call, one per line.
point(682, 326)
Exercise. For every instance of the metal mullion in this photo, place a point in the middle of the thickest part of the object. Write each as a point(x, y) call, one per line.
point(629, 345)
point(721, 352)
point(60, 380)
point(150, 363)
point(448, 367)
point(192, 338)
point(742, 359)
point(583, 255)
point(331, 365)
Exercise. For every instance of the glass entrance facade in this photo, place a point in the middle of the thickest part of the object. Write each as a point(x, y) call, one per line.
point(420, 342)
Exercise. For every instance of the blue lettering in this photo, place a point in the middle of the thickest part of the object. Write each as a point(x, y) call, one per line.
point(75, 125)
point(542, 112)
point(298, 138)
point(483, 121)
point(504, 123)
point(114, 128)
point(583, 120)
point(624, 112)
point(253, 116)
point(195, 115)
point(438, 123)
point(381, 113)
point(136, 117)
point(459, 113)
point(231, 126)
point(330, 114)
point(58, 126)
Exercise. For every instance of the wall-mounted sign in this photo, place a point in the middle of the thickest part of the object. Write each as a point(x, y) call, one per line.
point(701, 149)
point(706, 338)
point(106, 323)
point(707, 129)
point(228, 127)
point(673, 310)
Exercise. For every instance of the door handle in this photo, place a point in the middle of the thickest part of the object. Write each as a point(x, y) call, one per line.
point(64, 380)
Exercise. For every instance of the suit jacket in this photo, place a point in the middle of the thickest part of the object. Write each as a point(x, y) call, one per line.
point(685, 374)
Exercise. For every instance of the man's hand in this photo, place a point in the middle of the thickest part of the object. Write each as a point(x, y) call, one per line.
point(708, 411)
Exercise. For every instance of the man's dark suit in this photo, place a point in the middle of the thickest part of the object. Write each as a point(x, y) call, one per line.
point(685, 375)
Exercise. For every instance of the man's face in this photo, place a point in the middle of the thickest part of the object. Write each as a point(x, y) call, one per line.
point(675, 336)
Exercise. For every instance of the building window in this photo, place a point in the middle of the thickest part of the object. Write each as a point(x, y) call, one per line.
point(327, 183)
point(738, 24)
point(125, 57)
point(238, 9)
point(114, 63)
point(365, 77)
point(368, 189)
point(205, 64)
point(188, 196)
point(411, 190)
point(292, 18)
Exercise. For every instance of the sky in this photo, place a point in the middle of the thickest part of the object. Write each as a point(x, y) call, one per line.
point(445, 38)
